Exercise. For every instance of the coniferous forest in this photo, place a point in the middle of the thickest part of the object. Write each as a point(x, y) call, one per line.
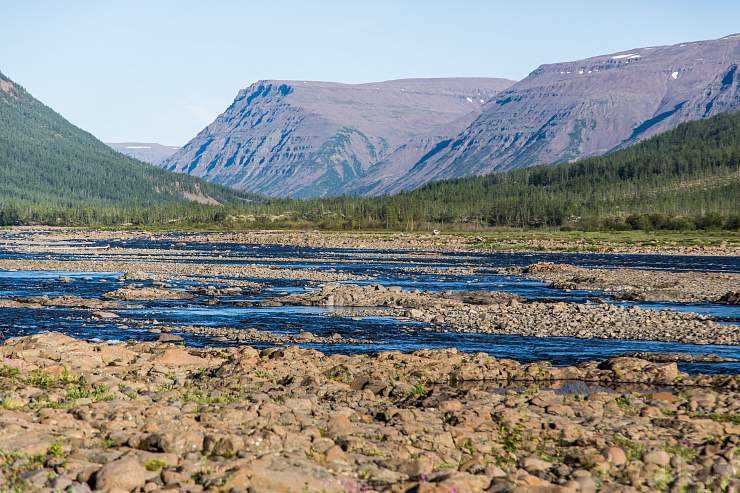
point(51, 172)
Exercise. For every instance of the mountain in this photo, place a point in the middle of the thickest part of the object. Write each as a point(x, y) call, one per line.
point(685, 178)
point(46, 161)
point(382, 175)
point(148, 152)
point(569, 110)
point(301, 138)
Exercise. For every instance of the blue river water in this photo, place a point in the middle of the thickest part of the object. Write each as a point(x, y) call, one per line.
point(381, 267)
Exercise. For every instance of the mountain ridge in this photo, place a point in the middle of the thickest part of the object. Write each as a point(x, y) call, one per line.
point(568, 110)
point(318, 146)
point(304, 138)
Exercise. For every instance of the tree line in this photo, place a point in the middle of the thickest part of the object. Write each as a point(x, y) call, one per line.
point(686, 178)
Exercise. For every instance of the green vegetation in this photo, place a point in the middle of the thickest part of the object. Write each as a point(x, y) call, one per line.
point(418, 391)
point(8, 371)
point(155, 465)
point(554, 240)
point(15, 467)
point(688, 178)
point(686, 453)
point(53, 172)
point(69, 388)
point(632, 449)
point(733, 418)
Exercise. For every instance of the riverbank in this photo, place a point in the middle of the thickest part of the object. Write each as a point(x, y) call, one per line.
point(722, 243)
point(152, 416)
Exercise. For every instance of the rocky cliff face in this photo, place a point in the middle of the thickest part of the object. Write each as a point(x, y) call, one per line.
point(565, 111)
point(148, 152)
point(299, 138)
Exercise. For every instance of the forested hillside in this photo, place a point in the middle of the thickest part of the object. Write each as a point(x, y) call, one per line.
point(48, 164)
point(686, 177)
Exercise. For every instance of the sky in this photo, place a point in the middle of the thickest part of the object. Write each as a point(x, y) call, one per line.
point(161, 70)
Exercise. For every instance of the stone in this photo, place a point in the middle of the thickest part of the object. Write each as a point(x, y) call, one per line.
point(179, 357)
point(340, 425)
point(657, 457)
point(668, 372)
point(104, 315)
point(535, 464)
point(126, 474)
point(336, 454)
point(147, 293)
point(169, 338)
point(616, 456)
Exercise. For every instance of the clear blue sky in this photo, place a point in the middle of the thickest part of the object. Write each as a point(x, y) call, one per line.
point(161, 70)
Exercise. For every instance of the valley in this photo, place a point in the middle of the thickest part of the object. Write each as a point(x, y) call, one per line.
point(448, 284)
point(147, 152)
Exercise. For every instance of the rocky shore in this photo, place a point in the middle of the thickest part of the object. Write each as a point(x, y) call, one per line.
point(77, 416)
point(699, 243)
point(502, 313)
point(641, 285)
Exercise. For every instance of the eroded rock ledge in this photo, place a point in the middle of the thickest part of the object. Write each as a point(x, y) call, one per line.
point(147, 417)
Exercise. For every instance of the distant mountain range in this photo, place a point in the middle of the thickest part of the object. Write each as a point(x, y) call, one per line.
point(148, 152)
point(305, 139)
point(302, 138)
point(49, 164)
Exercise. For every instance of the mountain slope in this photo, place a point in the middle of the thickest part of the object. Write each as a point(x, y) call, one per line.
point(303, 138)
point(570, 110)
point(151, 153)
point(690, 173)
point(45, 160)
point(381, 176)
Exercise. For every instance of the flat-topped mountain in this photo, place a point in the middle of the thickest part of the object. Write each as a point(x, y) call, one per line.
point(302, 138)
point(151, 153)
point(565, 111)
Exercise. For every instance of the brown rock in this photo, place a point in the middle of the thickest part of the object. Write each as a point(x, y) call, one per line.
point(336, 454)
point(657, 457)
point(616, 456)
point(179, 357)
point(124, 474)
point(535, 464)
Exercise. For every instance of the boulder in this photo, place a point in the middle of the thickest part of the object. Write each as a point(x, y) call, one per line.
point(125, 473)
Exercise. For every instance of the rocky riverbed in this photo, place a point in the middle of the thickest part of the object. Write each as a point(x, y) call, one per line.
point(319, 403)
point(502, 313)
point(640, 285)
point(78, 416)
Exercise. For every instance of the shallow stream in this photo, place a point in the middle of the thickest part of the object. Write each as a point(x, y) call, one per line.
point(410, 271)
